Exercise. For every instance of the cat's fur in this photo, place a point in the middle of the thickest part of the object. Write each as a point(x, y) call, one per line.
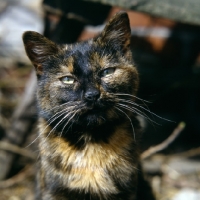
point(87, 131)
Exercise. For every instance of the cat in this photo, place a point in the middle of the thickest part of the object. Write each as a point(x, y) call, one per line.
point(88, 131)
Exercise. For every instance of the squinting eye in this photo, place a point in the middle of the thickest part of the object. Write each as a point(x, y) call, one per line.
point(108, 72)
point(68, 80)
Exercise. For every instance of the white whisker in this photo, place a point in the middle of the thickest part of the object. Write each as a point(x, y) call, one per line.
point(133, 96)
point(135, 104)
point(50, 121)
point(59, 106)
point(140, 113)
point(128, 119)
point(68, 122)
point(53, 129)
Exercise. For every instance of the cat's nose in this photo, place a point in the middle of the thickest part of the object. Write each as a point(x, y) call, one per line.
point(92, 95)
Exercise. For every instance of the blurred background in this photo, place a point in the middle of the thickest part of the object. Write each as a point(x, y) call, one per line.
point(166, 50)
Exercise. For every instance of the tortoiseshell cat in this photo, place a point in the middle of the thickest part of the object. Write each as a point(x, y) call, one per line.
point(87, 129)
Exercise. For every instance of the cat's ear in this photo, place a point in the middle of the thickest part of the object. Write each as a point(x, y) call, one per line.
point(117, 32)
point(38, 49)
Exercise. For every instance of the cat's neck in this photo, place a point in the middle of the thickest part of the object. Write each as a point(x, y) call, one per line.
point(98, 163)
point(82, 136)
point(122, 136)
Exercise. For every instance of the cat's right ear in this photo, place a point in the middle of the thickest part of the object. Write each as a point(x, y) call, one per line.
point(38, 49)
point(117, 33)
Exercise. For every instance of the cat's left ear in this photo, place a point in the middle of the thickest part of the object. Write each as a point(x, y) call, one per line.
point(117, 32)
point(38, 49)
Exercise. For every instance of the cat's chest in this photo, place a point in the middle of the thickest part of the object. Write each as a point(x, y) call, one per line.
point(91, 171)
point(94, 168)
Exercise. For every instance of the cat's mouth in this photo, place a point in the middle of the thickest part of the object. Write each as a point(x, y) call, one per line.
point(93, 110)
point(96, 113)
point(93, 114)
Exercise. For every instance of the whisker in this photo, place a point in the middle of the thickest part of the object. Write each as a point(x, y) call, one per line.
point(133, 96)
point(72, 112)
point(140, 113)
point(53, 129)
point(102, 118)
point(50, 121)
point(69, 121)
point(128, 119)
point(60, 135)
point(53, 118)
point(133, 103)
point(59, 106)
point(62, 112)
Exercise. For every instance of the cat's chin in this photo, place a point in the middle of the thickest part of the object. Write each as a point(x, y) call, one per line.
point(92, 120)
point(93, 117)
point(97, 116)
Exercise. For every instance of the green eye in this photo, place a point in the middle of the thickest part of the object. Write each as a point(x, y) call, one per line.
point(107, 72)
point(68, 80)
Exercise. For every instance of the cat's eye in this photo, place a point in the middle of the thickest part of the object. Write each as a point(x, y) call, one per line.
point(107, 72)
point(68, 80)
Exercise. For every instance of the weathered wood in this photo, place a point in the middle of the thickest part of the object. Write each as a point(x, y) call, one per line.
point(183, 11)
point(165, 143)
point(160, 164)
point(180, 10)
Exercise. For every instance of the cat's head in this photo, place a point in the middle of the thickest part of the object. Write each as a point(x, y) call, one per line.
point(84, 83)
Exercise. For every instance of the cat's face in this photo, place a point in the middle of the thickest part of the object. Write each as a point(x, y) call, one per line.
point(83, 83)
